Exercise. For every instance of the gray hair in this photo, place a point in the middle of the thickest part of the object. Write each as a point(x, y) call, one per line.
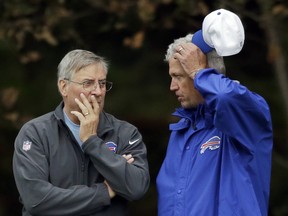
point(213, 59)
point(77, 59)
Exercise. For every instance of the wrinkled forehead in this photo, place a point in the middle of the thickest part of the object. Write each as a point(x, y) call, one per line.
point(94, 70)
point(175, 67)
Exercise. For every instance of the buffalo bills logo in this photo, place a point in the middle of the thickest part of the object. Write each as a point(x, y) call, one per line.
point(212, 144)
point(112, 146)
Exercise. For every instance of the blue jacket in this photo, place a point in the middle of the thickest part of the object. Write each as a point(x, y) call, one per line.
point(218, 160)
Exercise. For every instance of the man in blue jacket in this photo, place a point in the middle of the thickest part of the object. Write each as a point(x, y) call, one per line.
point(218, 160)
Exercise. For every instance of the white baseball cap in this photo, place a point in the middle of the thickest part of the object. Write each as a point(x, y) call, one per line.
point(221, 30)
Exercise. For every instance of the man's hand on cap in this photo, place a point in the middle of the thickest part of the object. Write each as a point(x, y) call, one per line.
point(191, 58)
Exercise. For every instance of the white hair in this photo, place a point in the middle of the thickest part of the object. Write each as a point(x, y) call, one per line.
point(77, 59)
point(213, 59)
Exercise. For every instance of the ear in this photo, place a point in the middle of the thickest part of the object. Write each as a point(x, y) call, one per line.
point(62, 86)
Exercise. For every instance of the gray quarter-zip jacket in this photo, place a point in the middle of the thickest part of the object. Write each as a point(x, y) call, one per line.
point(54, 176)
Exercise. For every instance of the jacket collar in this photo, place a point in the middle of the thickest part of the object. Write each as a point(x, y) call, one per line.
point(105, 124)
point(195, 115)
point(190, 114)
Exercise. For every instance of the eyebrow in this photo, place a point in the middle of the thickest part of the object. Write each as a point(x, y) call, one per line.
point(93, 79)
point(86, 80)
point(175, 73)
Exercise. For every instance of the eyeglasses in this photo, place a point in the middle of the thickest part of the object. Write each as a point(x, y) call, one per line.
point(90, 85)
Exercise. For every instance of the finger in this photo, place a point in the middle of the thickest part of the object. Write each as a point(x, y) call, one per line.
point(131, 160)
point(110, 190)
point(178, 56)
point(82, 107)
point(95, 104)
point(85, 101)
point(127, 157)
point(79, 115)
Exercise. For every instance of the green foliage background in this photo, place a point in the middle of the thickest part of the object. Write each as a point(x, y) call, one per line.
point(133, 36)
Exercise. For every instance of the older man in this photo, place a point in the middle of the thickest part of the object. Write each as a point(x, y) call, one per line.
point(78, 159)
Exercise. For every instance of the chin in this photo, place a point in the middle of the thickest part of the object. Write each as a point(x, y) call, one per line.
point(101, 107)
point(185, 106)
point(188, 106)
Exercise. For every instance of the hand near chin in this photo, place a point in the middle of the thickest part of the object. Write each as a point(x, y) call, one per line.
point(88, 116)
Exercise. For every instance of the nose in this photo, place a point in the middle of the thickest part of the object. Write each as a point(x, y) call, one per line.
point(173, 85)
point(96, 89)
